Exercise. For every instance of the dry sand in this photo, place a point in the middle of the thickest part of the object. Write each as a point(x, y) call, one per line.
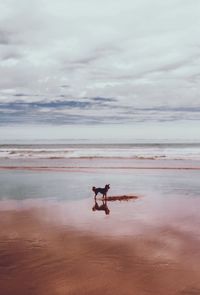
point(39, 256)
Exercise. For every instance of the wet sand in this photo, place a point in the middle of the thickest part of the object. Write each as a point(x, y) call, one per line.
point(58, 245)
point(65, 248)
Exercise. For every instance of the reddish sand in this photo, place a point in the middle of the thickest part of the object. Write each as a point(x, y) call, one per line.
point(39, 256)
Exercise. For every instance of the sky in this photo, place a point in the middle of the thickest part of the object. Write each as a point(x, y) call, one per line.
point(126, 68)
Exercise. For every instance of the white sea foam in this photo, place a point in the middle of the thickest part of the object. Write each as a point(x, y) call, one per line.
point(147, 151)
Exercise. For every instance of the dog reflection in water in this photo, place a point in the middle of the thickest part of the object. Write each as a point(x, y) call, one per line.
point(102, 207)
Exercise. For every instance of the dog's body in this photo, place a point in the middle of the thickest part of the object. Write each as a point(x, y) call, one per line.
point(100, 190)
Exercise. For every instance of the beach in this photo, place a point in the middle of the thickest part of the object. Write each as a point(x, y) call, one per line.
point(47, 249)
point(52, 242)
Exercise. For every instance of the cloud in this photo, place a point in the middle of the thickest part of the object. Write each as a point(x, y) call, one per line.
point(90, 111)
point(107, 61)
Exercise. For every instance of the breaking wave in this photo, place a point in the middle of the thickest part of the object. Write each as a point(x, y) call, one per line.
point(143, 151)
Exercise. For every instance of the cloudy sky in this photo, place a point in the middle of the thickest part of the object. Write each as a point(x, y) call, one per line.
point(100, 63)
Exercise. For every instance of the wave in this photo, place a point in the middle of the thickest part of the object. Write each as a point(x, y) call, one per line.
point(148, 152)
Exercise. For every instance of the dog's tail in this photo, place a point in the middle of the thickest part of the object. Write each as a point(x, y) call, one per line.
point(93, 188)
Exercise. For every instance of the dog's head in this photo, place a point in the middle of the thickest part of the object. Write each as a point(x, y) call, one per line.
point(107, 186)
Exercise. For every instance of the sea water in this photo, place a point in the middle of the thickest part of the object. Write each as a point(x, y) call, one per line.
point(136, 151)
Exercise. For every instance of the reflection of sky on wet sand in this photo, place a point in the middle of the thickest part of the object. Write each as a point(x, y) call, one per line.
point(132, 217)
point(66, 198)
point(64, 246)
point(126, 218)
point(165, 232)
point(55, 238)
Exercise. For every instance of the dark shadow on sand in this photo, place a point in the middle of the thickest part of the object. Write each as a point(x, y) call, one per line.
point(121, 198)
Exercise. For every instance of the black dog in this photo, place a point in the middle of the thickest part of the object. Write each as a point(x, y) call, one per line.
point(103, 191)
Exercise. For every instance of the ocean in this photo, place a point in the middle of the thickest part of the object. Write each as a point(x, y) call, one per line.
point(174, 151)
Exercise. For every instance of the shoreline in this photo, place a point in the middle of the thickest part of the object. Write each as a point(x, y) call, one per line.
point(97, 164)
point(68, 169)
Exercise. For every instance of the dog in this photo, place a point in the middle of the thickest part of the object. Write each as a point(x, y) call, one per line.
point(100, 190)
